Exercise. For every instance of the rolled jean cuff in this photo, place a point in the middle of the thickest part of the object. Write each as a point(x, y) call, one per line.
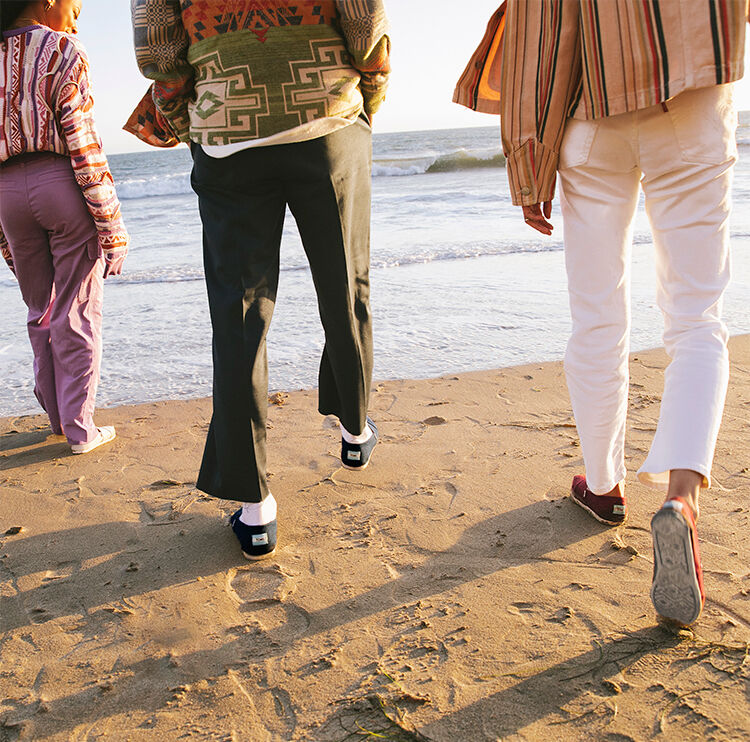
point(607, 487)
point(659, 480)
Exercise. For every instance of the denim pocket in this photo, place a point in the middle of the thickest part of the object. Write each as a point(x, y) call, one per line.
point(577, 141)
point(705, 122)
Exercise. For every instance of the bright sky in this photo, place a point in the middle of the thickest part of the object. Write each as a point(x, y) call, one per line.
point(427, 59)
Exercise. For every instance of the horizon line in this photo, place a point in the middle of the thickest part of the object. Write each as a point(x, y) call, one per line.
point(744, 120)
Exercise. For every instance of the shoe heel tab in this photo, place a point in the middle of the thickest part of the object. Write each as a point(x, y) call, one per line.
point(683, 507)
point(677, 505)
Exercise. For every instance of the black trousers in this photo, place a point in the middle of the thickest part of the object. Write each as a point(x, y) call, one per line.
point(242, 199)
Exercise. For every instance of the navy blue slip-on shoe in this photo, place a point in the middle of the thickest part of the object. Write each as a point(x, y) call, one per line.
point(257, 542)
point(357, 455)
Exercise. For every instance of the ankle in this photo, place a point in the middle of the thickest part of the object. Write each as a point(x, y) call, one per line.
point(617, 491)
point(685, 484)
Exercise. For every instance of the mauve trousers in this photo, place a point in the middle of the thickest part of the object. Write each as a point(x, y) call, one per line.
point(55, 251)
point(243, 200)
point(682, 158)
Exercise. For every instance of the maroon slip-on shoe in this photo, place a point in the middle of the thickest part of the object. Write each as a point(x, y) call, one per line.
point(609, 509)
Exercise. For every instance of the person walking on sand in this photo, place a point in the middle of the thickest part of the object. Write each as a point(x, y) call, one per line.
point(615, 97)
point(61, 232)
point(276, 100)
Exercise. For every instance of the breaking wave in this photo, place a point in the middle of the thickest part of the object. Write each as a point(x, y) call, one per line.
point(178, 184)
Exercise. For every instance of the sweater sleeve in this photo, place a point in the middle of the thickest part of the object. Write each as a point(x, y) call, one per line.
point(364, 25)
point(541, 73)
point(161, 47)
point(90, 167)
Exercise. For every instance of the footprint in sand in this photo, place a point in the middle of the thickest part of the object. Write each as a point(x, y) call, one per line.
point(523, 609)
point(64, 571)
point(562, 615)
point(263, 593)
point(259, 585)
point(39, 614)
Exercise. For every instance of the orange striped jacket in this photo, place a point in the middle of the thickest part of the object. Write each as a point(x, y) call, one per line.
point(593, 58)
point(478, 87)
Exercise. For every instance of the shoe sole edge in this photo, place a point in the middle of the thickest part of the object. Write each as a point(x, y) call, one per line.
point(593, 514)
point(355, 468)
point(258, 557)
point(79, 451)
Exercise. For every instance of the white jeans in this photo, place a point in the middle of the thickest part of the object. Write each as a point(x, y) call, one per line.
point(683, 158)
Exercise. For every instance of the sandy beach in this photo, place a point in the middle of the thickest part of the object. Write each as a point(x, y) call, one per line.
point(450, 592)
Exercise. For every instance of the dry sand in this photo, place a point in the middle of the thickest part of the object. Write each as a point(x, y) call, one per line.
point(449, 592)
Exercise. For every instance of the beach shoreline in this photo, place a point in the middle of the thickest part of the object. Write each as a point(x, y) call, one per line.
point(449, 592)
point(458, 281)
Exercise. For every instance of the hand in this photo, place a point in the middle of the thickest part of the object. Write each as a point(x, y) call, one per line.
point(113, 267)
point(536, 217)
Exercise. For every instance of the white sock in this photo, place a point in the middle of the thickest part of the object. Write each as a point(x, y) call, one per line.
point(259, 513)
point(356, 439)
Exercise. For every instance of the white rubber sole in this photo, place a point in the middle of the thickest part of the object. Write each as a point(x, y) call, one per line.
point(106, 435)
point(356, 468)
point(674, 591)
point(252, 558)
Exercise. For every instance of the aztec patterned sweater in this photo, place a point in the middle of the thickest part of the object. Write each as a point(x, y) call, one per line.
point(45, 106)
point(229, 71)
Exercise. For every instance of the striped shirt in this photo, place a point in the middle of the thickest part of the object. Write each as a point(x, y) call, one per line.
point(593, 58)
point(45, 106)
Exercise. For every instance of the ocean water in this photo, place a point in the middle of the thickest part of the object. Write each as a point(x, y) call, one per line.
point(458, 281)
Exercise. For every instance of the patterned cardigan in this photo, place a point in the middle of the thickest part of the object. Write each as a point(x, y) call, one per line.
point(46, 106)
point(229, 71)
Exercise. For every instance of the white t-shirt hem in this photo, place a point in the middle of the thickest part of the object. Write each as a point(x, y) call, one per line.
point(310, 130)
